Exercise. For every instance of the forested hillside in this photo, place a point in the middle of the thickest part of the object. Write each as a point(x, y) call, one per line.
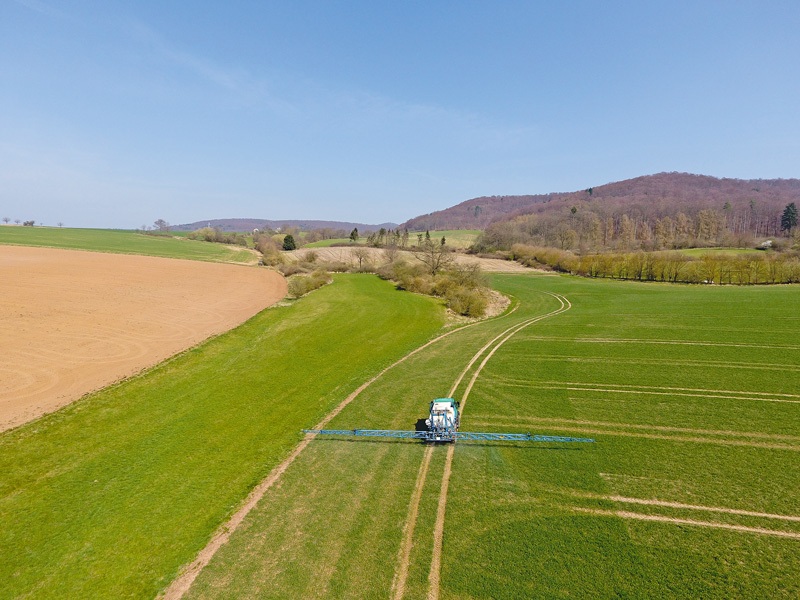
point(667, 209)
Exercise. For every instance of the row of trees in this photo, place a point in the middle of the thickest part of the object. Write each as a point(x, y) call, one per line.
point(586, 231)
point(215, 234)
point(29, 223)
point(668, 266)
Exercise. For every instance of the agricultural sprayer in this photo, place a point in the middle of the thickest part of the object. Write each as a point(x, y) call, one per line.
point(442, 426)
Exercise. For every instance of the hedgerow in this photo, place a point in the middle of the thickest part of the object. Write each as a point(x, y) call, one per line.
point(675, 267)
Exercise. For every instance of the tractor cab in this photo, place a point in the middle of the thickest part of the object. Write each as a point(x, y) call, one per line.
point(444, 419)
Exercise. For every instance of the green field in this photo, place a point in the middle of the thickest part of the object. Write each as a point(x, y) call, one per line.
point(457, 238)
point(124, 242)
point(109, 496)
point(691, 490)
point(717, 251)
point(692, 394)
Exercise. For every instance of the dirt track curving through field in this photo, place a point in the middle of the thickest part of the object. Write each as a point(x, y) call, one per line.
point(72, 322)
point(181, 584)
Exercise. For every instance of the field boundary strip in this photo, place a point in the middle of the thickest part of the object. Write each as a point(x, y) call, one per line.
point(186, 576)
point(434, 576)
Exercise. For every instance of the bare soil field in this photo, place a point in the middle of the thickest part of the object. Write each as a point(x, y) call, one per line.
point(377, 256)
point(72, 322)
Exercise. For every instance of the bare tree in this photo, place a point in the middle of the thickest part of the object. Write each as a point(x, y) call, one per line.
point(60, 224)
point(390, 253)
point(161, 225)
point(361, 255)
point(435, 256)
point(6, 220)
point(17, 221)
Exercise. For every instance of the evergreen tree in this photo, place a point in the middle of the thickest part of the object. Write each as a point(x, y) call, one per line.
point(789, 218)
point(288, 242)
point(354, 235)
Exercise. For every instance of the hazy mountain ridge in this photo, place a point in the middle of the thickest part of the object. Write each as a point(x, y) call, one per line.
point(250, 224)
point(647, 197)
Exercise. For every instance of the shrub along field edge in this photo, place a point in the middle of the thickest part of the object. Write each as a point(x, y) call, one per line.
point(668, 266)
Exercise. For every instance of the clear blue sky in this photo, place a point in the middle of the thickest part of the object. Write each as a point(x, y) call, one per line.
point(116, 114)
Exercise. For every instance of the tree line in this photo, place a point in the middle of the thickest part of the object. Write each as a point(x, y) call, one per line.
point(669, 266)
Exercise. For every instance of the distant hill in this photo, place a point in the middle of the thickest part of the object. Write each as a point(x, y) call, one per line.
point(304, 225)
point(756, 202)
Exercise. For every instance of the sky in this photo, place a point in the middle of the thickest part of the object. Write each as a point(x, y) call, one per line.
point(115, 114)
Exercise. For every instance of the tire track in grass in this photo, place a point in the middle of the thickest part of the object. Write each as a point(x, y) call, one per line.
point(624, 514)
point(623, 387)
point(725, 432)
point(678, 505)
point(404, 554)
point(181, 584)
point(438, 532)
point(534, 386)
point(664, 342)
point(657, 436)
point(717, 509)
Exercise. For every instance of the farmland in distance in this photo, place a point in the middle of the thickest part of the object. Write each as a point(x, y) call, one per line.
point(120, 241)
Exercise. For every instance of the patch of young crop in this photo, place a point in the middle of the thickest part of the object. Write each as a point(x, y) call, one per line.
point(691, 489)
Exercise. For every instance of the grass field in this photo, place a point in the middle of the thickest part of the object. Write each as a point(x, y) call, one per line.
point(457, 238)
point(109, 496)
point(124, 242)
point(691, 490)
point(717, 251)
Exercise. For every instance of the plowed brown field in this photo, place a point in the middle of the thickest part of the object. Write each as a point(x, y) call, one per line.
point(72, 322)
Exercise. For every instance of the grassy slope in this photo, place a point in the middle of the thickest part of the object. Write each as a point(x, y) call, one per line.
point(511, 528)
point(109, 496)
point(122, 242)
